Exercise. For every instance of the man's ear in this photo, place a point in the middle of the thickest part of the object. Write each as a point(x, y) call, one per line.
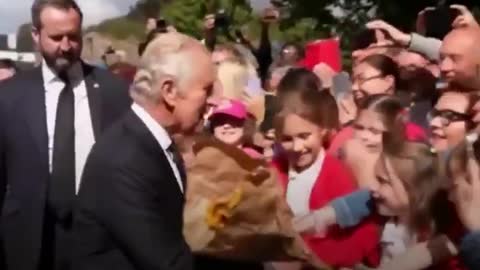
point(169, 91)
point(35, 35)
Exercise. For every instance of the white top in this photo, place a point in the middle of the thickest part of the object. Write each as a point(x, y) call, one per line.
point(84, 137)
point(300, 186)
point(395, 240)
point(162, 138)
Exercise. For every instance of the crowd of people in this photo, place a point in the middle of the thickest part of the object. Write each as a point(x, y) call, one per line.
point(386, 175)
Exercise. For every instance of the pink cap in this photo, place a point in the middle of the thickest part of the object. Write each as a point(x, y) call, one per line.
point(233, 108)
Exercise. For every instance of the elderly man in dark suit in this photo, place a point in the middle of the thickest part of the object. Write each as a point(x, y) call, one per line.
point(49, 119)
point(129, 211)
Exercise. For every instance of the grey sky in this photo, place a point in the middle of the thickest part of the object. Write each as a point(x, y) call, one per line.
point(13, 13)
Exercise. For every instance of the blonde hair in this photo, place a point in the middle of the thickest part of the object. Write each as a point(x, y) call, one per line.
point(169, 54)
point(234, 78)
point(417, 167)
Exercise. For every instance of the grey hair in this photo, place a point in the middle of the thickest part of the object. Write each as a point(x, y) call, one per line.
point(167, 55)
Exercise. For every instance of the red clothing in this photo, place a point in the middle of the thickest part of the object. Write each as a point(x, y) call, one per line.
point(413, 133)
point(339, 248)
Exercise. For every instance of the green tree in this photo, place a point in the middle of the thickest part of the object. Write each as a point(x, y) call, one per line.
point(351, 15)
point(146, 9)
point(187, 15)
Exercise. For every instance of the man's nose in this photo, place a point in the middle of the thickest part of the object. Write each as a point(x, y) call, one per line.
point(213, 101)
point(65, 44)
point(355, 86)
point(446, 65)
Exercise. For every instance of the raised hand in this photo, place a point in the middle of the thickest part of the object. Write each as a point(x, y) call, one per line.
point(394, 34)
point(270, 15)
point(420, 25)
point(466, 191)
point(465, 18)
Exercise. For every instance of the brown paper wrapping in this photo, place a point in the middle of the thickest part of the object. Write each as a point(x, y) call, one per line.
point(256, 226)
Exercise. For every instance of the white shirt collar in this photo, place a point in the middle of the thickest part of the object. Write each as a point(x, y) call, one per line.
point(312, 171)
point(75, 73)
point(155, 128)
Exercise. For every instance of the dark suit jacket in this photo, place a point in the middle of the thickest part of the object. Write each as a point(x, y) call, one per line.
point(24, 169)
point(129, 211)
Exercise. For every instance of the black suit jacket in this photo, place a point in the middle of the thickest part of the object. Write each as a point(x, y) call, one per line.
point(24, 169)
point(129, 208)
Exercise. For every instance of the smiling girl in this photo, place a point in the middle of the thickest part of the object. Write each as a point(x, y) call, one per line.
point(313, 178)
point(380, 117)
point(229, 124)
point(408, 192)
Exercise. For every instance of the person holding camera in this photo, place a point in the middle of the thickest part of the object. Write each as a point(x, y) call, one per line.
point(153, 28)
point(458, 53)
point(263, 53)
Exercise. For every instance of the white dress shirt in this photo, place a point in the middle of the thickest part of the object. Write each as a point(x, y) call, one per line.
point(300, 186)
point(84, 137)
point(162, 138)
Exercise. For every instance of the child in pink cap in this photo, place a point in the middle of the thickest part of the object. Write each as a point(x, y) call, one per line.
point(228, 124)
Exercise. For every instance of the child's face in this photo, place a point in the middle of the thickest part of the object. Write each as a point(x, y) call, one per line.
point(301, 141)
point(369, 130)
point(228, 129)
point(391, 197)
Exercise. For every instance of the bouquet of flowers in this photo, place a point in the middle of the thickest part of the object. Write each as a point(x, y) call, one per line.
point(235, 208)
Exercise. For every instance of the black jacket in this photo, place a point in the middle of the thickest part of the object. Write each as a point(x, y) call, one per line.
point(24, 161)
point(129, 211)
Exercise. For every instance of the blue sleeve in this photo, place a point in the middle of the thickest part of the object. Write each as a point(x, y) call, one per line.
point(351, 209)
point(469, 250)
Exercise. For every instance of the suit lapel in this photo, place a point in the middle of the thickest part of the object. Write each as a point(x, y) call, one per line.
point(150, 144)
point(36, 115)
point(94, 99)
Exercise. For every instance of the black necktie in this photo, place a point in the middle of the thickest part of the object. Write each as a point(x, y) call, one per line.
point(178, 160)
point(62, 184)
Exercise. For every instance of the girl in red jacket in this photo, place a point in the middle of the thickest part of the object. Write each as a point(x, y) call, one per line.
point(313, 178)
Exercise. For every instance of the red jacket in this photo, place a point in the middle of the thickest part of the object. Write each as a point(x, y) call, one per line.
point(340, 247)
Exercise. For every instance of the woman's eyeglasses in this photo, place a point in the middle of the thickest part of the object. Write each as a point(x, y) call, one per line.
point(361, 81)
point(448, 116)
